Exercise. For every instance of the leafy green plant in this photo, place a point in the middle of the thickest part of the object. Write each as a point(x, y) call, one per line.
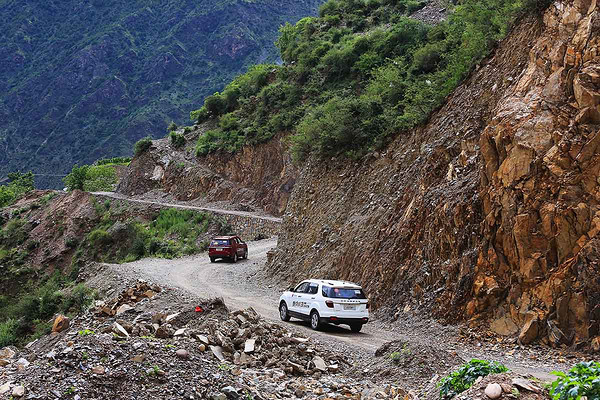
point(85, 332)
point(142, 146)
point(462, 379)
point(18, 184)
point(177, 139)
point(172, 127)
point(8, 332)
point(581, 380)
point(76, 178)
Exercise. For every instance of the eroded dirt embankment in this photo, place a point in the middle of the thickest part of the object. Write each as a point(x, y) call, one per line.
point(259, 177)
point(486, 213)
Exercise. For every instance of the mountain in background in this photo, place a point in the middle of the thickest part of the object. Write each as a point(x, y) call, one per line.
point(82, 80)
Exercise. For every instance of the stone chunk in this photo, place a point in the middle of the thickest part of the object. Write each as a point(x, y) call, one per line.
point(525, 385)
point(183, 354)
point(530, 330)
point(18, 391)
point(493, 391)
point(249, 346)
point(319, 364)
point(119, 330)
point(218, 352)
point(60, 323)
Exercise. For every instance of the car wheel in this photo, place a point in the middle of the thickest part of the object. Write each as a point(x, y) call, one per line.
point(246, 255)
point(315, 320)
point(234, 258)
point(212, 259)
point(283, 312)
point(356, 327)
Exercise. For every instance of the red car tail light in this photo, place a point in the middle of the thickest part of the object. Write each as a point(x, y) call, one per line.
point(329, 303)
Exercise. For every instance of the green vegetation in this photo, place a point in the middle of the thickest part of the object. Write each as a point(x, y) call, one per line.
point(142, 146)
point(359, 73)
point(18, 185)
point(462, 379)
point(114, 160)
point(131, 67)
point(581, 380)
point(101, 176)
point(23, 316)
point(177, 139)
point(172, 127)
point(172, 233)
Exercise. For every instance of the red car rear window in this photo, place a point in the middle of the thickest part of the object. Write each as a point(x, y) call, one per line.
point(220, 242)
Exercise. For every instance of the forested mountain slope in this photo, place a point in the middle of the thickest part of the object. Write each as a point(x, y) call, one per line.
point(80, 80)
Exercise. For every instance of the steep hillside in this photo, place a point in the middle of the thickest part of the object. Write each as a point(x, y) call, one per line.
point(85, 80)
point(260, 177)
point(489, 212)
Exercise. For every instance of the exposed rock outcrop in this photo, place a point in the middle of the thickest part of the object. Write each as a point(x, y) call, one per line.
point(488, 212)
point(261, 176)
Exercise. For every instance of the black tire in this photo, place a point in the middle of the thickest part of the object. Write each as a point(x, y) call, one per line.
point(315, 320)
point(283, 312)
point(246, 255)
point(234, 258)
point(356, 327)
point(212, 259)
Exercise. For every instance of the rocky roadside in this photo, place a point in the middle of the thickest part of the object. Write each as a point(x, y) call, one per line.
point(134, 346)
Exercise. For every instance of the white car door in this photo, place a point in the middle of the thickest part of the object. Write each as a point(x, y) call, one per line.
point(299, 304)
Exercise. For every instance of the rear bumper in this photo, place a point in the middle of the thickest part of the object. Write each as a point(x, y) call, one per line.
point(217, 254)
point(345, 321)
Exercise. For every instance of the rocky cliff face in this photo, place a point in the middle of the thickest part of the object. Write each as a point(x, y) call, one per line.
point(489, 212)
point(259, 176)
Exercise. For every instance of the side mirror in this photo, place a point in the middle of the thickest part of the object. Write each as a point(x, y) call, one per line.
point(291, 289)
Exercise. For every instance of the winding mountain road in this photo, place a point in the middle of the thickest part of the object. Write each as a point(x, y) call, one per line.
point(119, 196)
point(237, 284)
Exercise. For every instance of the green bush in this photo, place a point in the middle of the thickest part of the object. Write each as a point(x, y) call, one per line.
point(172, 127)
point(142, 146)
point(18, 185)
point(79, 298)
point(99, 237)
point(8, 332)
point(581, 380)
point(462, 379)
point(177, 139)
point(348, 126)
point(76, 178)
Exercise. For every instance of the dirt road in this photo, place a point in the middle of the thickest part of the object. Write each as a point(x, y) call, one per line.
point(187, 207)
point(240, 288)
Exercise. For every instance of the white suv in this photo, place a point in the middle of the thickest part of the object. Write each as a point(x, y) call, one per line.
point(324, 301)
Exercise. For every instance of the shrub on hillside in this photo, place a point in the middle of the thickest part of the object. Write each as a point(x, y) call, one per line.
point(76, 178)
point(406, 69)
point(172, 127)
point(8, 332)
point(142, 146)
point(18, 184)
point(177, 139)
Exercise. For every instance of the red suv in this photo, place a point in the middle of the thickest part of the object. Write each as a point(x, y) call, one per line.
point(231, 247)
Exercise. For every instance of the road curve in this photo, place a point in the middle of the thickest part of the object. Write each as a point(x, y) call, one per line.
point(236, 284)
point(119, 196)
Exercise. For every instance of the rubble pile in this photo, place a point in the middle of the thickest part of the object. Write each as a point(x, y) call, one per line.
point(127, 299)
point(202, 351)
